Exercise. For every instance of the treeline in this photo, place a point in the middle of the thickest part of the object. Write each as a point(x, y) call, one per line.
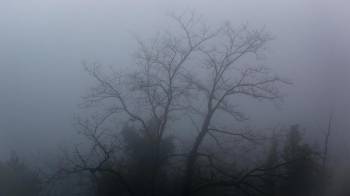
point(289, 168)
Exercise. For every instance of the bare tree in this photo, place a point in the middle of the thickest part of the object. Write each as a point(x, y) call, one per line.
point(195, 70)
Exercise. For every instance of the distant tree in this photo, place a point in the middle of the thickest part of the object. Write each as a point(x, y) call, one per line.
point(17, 179)
point(140, 150)
point(304, 170)
point(273, 177)
point(141, 156)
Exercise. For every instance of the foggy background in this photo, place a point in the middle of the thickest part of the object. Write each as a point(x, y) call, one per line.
point(43, 43)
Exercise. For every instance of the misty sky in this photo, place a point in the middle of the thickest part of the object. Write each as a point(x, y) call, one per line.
point(43, 42)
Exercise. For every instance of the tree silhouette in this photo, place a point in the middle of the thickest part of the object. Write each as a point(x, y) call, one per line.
point(192, 73)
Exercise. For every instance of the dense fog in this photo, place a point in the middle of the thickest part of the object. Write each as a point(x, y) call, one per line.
point(91, 89)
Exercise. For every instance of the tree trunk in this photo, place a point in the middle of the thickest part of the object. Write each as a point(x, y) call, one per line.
point(192, 157)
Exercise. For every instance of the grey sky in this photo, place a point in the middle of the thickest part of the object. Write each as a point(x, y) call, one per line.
point(42, 44)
